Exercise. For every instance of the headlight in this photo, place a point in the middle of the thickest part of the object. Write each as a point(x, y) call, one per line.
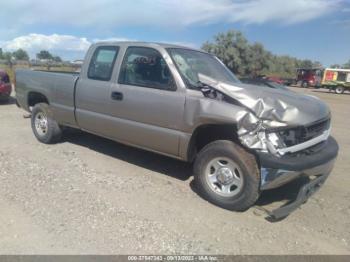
point(259, 139)
point(262, 141)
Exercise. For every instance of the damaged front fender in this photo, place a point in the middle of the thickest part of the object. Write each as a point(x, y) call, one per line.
point(258, 110)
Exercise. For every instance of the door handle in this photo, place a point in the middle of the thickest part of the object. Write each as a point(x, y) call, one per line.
point(117, 96)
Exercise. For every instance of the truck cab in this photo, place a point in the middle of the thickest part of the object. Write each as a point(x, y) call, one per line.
point(309, 77)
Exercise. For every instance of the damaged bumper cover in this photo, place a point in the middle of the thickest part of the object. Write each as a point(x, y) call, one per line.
point(305, 192)
point(277, 171)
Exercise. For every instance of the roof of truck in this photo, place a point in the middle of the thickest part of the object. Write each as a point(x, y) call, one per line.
point(130, 43)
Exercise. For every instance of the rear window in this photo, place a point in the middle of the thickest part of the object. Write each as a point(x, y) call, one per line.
point(102, 63)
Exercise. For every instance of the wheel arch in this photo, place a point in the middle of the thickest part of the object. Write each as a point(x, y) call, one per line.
point(35, 97)
point(207, 133)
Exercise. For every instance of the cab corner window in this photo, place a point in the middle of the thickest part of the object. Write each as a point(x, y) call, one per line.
point(145, 67)
point(102, 63)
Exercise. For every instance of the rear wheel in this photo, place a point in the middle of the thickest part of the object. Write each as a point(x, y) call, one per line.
point(227, 175)
point(339, 90)
point(44, 127)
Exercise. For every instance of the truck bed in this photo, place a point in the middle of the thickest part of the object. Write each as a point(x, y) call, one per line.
point(58, 88)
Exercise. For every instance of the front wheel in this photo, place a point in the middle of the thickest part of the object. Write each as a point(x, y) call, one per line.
point(44, 127)
point(227, 175)
point(339, 90)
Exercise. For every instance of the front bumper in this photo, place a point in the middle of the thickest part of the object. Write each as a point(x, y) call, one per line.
point(277, 171)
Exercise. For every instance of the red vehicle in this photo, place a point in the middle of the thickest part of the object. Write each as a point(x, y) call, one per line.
point(309, 77)
point(275, 79)
point(272, 79)
point(5, 86)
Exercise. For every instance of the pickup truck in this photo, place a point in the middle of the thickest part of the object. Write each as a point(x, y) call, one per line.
point(186, 104)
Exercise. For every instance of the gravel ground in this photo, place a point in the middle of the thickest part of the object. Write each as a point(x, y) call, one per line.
point(89, 195)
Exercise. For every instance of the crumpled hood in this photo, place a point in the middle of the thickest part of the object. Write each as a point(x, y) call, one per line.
point(289, 108)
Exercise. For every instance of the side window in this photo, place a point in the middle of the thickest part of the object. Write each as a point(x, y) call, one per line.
point(145, 67)
point(102, 63)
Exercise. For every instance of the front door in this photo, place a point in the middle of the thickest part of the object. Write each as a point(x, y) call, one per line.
point(146, 105)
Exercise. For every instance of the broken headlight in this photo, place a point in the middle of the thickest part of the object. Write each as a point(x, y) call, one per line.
point(259, 138)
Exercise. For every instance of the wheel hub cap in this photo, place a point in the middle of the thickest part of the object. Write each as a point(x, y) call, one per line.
point(224, 176)
point(41, 124)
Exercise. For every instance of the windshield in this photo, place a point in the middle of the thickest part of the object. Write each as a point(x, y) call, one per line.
point(191, 63)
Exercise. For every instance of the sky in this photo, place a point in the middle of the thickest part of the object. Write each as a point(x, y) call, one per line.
point(308, 29)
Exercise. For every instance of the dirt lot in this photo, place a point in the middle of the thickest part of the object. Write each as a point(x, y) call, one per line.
point(93, 196)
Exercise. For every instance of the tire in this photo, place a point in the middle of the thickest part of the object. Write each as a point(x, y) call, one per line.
point(238, 198)
point(44, 127)
point(339, 90)
point(304, 84)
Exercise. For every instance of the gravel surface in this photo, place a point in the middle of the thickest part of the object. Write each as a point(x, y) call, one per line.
point(89, 195)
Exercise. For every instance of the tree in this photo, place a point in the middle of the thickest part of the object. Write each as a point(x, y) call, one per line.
point(233, 49)
point(307, 64)
point(44, 54)
point(347, 65)
point(20, 54)
point(1, 54)
point(335, 66)
point(257, 60)
point(57, 59)
point(246, 59)
point(317, 64)
point(8, 57)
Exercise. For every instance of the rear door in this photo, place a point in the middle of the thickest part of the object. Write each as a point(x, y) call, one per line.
point(146, 104)
point(93, 90)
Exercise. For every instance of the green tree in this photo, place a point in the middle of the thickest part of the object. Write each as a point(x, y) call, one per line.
point(347, 65)
point(232, 48)
point(20, 54)
point(306, 63)
point(8, 57)
point(246, 59)
point(1, 54)
point(57, 59)
point(44, 54)
point(317, 64)
point(257, 60)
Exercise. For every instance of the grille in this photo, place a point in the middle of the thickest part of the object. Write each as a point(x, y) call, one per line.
point(314, 130)
point(302, 134)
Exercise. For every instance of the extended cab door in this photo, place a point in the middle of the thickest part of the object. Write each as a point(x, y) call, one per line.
point(93, 90)
point(146, 104)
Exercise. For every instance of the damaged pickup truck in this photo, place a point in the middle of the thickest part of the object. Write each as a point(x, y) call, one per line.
point(185, 103)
